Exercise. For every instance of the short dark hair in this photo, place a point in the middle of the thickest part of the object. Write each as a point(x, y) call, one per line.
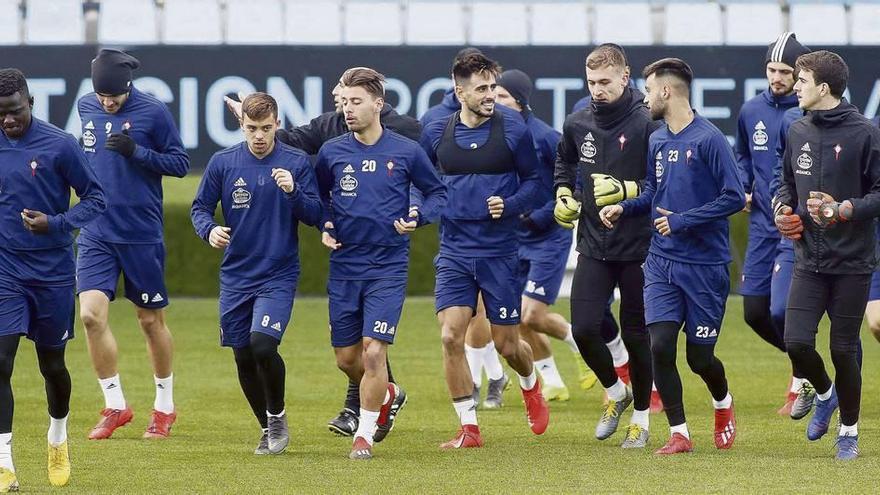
point(258, 106)
point(828, 68)
point(13, 81)
point(607, 54)
point(474, 63)
point(372, 81)
point(464, 52)
point(674, 67)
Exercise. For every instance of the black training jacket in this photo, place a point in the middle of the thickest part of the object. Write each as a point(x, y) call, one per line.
point(311, 136)
point(834, 151)
point(609, 139)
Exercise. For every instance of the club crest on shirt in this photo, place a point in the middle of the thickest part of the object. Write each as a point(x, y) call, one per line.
point(804, 161)
point(241, 198)
point(588, 149)
point(348, 184)
point(760, 137)
point(33, 164)
point(89, 141)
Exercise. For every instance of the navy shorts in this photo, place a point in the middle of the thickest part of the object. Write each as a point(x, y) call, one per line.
point(266, 311)
point(542, 267)
point(43, 314)
point(757, 269)
point(459, 279)
point(99, 263)
point(364, 308)
point(780, 285)
point(686, 293)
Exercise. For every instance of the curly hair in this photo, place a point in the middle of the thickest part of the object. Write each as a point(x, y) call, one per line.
point(12, 81)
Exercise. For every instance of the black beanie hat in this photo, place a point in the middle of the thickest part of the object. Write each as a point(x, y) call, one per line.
point(785, 49)
point(518, 84)
point(111, 72)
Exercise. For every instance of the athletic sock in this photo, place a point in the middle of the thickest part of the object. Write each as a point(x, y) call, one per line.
point(724, 403)
point(491, 362)
point(528, 382)
point(466, 409)
point(367, 425)
point(796, 384)
point(682, 428)
point(569, 339)
point(164, 402)
point(849, 431)
point(6, 451)
point(827, 394)
point(57, 431)
point(475, 363)
point(616, 392)
point(112, 388)
point(641, 418)
point(619, 354)
point(549, 372)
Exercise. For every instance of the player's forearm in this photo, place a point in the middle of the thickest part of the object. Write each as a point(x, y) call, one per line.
point(91, 205)
point(729, 202)
point(435, 201)
point(524, 199)
point(174, 163)
point(543, 217)
point(307, 206)
point(564, 175)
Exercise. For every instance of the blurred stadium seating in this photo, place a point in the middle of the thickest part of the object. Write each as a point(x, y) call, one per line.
point(437, 22)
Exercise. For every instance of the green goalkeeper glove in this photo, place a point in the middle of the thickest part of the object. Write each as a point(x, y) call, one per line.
point(609, 191)
point(567, 208)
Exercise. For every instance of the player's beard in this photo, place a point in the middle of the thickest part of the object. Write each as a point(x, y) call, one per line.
point(782, 90)
point(481, 111)
point(658, 110)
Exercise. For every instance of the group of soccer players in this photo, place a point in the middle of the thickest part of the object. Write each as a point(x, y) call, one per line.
point(651, 200)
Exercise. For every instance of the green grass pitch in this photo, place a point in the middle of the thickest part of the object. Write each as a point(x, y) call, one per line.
point(210, 450)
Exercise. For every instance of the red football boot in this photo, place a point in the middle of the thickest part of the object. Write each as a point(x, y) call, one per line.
point(110, 420)
point(386, 406)
point(725, 427)
point(536, 409)
point(160, 424)
point(656, 403)
point(785, 410)
point(361, 449)
point(677, 444)
point(467, 437)
point(623, 372)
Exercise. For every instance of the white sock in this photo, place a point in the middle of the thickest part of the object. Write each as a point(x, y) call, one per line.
point(164, 402)
point(849, 431)
point(827, 394)
point(475, 363)
point(57, 430)
point(618, 352)
point(724, 403)
point(682, 428)
point(547, 368)
point(569, 339)
point(367, 425)
point(617, 391)
point(6, 451)
point(112, 388)
point(466, 411)
point(528, 382)
point(641, 418)
point(796, 384)
point(491, 362)
point(270, 415)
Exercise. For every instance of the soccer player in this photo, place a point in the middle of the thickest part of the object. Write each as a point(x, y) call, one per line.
point(691, 187)
point(833, 152)
point(131, 142)
point(487, 161)
point(309, 138)
point(364, 178)
point(266, 189)
point(40, 163)
point(757, 131)
point(606, 144)
point(544, 245)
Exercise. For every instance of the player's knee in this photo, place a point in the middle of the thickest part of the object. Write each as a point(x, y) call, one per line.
point(699, 361)
point(6, 362)
point(507, 346)
point(52, 365)
point(873, 324)
point(533, 315)
point(633, 338)
point(93, 320)
point(798, 350)
point(374, 354)
point(754, 314)
point(263, 346)
point(151, 321)
point(453, 342)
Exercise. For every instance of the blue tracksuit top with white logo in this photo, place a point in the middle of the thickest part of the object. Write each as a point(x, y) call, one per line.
point(263, 218)
point(447, 106)
point(466, 228)
point(694, 175)
point(365, 188)
point(546, 140)
point(133, 185)
point(756, 134)
point(36, 173)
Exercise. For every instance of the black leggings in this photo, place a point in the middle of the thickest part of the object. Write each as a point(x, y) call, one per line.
point(593, 284)
point(700, 358)
point(261, 374)
point(756, 312)
point(55, 375)
point(844, 298)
